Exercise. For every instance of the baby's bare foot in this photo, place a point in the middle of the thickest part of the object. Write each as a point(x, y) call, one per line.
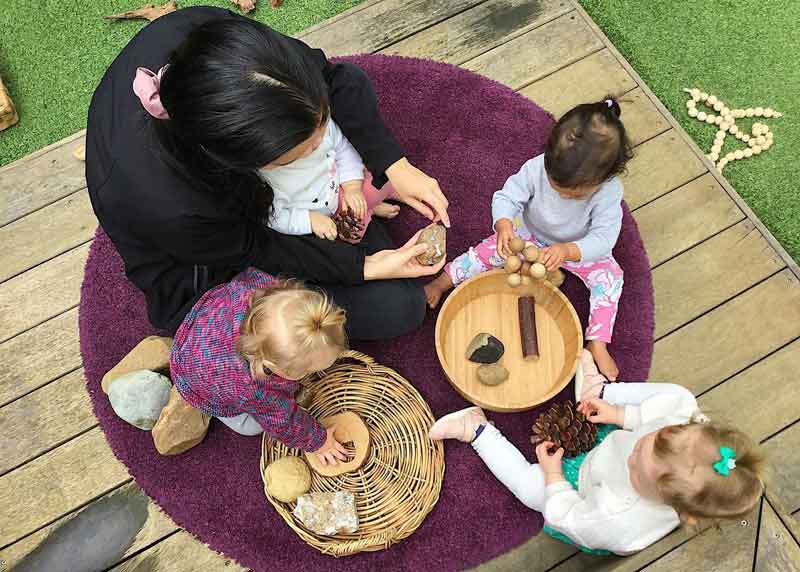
point(435, 289)
point(605, 363)
point(386, 210)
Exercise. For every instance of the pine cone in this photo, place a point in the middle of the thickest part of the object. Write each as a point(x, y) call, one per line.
point(348, 225)
point(565, 427)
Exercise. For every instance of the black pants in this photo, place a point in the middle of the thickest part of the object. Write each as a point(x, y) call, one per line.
point(380, 309)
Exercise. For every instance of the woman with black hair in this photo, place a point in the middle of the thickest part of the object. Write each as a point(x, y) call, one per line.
point(173, 159)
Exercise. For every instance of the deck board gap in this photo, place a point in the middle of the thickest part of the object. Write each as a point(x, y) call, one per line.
point(758, 532)
point(148, 547)
point(782, 520)
point(46, 260)
point(37, 324)
point(778, 432)
point(55, 445)
point(9, 402)
point(654, 199)
point(42, 206)
point(695, 245)
point(530, 83)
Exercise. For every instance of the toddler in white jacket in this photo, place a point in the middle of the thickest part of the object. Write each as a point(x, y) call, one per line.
point(660, 463)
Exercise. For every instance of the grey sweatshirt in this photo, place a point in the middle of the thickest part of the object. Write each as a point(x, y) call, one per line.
point(528, 199)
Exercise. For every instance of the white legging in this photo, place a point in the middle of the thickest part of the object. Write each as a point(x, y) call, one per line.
point(243, 424)
point(526, 480)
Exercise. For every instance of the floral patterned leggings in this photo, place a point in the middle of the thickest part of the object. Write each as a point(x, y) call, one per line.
point(602, 277)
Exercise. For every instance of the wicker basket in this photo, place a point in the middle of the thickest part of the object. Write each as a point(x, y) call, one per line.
point(400, 482)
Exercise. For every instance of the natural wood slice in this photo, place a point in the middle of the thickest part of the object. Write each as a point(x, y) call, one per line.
point(57, 339)
point(477, 30)
point(771, 309)
point(44, 419)
point(537, 53)
point(707, 275)
point(483, 304)
point(588, 79)
point(350, 428)
point(685, 217)
point(658, 166)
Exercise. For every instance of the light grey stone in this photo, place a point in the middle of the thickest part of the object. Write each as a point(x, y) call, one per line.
point(138, 397)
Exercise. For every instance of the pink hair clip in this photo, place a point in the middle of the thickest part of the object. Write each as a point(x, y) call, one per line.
point(146, 86)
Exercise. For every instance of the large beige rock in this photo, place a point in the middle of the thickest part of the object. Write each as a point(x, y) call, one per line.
point(151, 353)
point(179, 427)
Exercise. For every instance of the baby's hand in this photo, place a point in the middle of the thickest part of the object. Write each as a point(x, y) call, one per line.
point(331, 450)
point(553, 256)
point(353, 198)
point(550, 463)
point(505, 234)
point(600, 411)
point(323, 226)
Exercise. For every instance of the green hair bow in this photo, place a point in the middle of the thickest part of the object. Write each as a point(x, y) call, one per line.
point(727, 463)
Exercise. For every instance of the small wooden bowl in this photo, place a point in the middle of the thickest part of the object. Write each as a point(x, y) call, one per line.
point(349, 428)
point(486, 303)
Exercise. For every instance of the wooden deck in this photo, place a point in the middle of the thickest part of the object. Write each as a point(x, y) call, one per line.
point(727, 297)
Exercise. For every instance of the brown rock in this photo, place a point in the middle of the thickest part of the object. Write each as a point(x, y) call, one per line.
point(8, 113)
point(287, 478)
point(435, 236)
point(492, 374)
point(179, 427)
point(151, 353)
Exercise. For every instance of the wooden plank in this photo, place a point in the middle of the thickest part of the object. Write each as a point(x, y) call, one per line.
point(784, 452)
point(710, 273)
point(729, 549)
point(39, 356)
point(157, 526)
point(337, 18)
point(179, 553)
point(479, 29)
point(685, 217)
point(56, 483)
point(743, 400)
point(642, 120)
point(777, 551)
point(731, 337)
point(383, 24)
point(538, 554)
point(46, 233)
point(41, 178)
point(44, 419)
point(658, 166)
point(588, 79)
point(537, 53)
point(41, 293)
point(689, 142)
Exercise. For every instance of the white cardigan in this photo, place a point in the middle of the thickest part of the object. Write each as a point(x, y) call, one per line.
point(606, 512)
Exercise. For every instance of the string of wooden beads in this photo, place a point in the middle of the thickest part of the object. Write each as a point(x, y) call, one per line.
point(758, 140)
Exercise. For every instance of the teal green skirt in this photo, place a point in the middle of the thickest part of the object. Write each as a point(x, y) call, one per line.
point(571, 468)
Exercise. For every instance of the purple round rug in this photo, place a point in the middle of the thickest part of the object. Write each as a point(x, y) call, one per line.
point(469, 133)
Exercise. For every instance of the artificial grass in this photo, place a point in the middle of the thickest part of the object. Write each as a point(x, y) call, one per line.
point(54, 52)
point(745, 53)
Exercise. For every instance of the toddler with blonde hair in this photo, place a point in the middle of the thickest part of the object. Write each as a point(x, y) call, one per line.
point(657, 462)
point(240, 352)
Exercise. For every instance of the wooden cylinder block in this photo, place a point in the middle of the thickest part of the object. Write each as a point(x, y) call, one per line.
point(527, 327)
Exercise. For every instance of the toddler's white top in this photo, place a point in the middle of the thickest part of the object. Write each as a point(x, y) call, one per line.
point(312, 183)
point(606, 512)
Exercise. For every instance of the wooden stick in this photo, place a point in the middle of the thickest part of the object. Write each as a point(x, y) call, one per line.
point(527, 327)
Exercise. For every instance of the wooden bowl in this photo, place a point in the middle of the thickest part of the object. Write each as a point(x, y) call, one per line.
point(486, 303)
point(349, 428)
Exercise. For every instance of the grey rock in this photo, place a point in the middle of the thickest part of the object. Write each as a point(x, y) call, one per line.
point(138, 397)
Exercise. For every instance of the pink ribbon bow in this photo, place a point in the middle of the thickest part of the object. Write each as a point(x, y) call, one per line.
point(146, 86)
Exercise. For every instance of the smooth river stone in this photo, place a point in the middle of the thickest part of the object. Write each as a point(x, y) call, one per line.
point(435, 236)
point(179, 427)
point(138, 397)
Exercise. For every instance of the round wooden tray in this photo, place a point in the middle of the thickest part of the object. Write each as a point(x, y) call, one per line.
point(486, 303)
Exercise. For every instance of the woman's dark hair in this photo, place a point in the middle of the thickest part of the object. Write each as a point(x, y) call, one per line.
point(588, 145)
point(238, 96)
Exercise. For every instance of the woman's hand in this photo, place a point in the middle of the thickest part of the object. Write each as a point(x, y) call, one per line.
point(600, 411)
point(505, 234)
point(353, 198)
point(323, 226)
point(550, 463)
point(400, 263)
point(419, 191)
point(555, 255)
point(331, 450)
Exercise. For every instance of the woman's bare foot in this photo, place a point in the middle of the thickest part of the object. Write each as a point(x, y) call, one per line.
point(437, 287)
point(386, 210)
point(605, 363)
